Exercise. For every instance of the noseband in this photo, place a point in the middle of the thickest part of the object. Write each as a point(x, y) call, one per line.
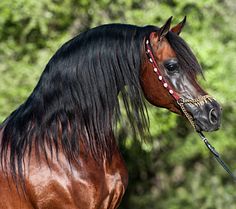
point(181, 102)
point(198, 101)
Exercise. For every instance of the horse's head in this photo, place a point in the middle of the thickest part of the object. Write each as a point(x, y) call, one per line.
point(168, 78)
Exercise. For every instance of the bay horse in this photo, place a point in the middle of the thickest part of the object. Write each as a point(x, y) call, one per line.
point(58, 149)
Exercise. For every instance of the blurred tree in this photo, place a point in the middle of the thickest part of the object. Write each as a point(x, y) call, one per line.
point(173, 170)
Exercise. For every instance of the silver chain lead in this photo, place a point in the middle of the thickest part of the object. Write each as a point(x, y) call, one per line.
point(198, 101)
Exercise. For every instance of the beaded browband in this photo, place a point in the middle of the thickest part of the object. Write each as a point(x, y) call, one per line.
point(158, 72)
point(180, 101)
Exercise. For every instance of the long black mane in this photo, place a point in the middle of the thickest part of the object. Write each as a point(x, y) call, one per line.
point(77, 95)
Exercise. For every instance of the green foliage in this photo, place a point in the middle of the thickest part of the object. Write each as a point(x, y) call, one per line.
point(174, 170)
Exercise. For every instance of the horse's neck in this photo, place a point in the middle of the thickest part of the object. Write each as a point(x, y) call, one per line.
point(1, 133)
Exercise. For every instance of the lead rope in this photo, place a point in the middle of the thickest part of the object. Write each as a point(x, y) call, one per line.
point(180, 101)
point(217, 156)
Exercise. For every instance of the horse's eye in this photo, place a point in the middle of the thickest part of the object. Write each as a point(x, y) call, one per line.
point(172, 66)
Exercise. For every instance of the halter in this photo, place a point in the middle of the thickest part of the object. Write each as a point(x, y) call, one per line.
point(181, 102)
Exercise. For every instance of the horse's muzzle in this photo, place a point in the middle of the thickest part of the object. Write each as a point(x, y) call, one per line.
point(207, 117)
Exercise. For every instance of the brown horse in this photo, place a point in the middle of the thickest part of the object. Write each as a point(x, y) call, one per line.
point(58, 150)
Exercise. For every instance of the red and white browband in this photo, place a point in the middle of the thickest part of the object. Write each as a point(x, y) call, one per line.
point(157, 70)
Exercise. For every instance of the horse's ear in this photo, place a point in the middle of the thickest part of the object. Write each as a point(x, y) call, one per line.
point(178, 28)
point(164, 29)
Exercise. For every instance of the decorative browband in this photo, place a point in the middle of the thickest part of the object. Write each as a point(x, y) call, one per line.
point(157, 70)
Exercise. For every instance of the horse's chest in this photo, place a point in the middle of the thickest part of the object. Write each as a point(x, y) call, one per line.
point(89, 185)
point(101, 186)
point(116, 184)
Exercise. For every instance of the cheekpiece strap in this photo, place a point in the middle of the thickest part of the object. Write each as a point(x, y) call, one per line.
point(157, 70)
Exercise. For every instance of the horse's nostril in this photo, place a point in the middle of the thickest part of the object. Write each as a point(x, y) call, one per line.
point(213, 117)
